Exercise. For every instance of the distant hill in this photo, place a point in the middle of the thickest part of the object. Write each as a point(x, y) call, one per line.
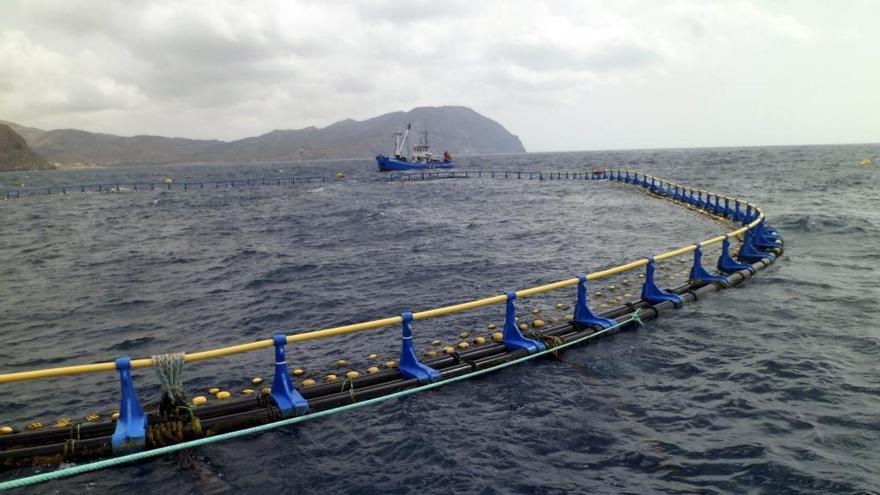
point(15, 154)
point(457, 129)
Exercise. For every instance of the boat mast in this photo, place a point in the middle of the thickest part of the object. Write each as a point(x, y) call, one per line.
point(400, 144)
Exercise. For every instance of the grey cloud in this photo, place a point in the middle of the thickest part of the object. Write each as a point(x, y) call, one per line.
point(609, 56)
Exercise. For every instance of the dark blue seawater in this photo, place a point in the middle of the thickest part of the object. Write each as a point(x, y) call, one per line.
point(772, 387)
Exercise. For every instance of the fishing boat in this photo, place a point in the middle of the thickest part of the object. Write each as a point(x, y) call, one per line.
point(420, 158)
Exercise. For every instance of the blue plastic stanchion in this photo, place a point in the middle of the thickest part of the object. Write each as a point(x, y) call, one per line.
point(131, 427)
point(700, 274)
point(289, 401)
point(513, 338)
point(409, 366)
point(747, 216)
point(737, 213)
point(726, 263)
point(749, 253)
point(582, 313)
point(762, 239)
point(654, 294)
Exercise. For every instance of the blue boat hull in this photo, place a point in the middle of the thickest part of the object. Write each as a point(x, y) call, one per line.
point(388, 164)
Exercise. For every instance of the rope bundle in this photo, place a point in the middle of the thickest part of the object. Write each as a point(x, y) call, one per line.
point(169, 369)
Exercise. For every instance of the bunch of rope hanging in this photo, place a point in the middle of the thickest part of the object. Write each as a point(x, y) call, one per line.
point(173, 405)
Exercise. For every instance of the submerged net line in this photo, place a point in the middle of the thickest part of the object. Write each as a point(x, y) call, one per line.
point(655, 186)
point(147, 454)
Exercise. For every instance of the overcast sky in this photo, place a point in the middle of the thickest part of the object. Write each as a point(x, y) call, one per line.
point(562, 75)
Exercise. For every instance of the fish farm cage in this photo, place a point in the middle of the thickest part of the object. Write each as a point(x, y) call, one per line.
point(133, 432)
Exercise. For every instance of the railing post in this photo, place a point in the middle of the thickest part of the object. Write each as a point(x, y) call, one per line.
point(286, 397)
point(582, 313)
point(726, 263)
point(749, 253)
point(409, 366)
point(513, 338)
point(131, 427)
point(653, 294)
point(699, 274)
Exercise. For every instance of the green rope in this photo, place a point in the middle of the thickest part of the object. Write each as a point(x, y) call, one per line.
point(169, 368)
point(137, 456)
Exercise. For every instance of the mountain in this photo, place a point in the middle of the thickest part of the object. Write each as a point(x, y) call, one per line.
point(15, 154)
point(457, 129)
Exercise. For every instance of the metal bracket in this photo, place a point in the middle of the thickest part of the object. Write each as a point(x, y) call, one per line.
point(131, 427)
point(286, 397)
point(700, 274)
point(654, 294)
point(582, 313)
point(513, 338)
point(409, 366)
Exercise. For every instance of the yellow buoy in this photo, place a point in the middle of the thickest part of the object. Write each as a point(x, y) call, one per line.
point(449, 350)
point(463, 345)
point(36, 425)
point(866, 161)
point(342, 362)
point(437, 342)
point(464, 335)
point(523, 326)
point(63, 423)
point(538, 323)
point(536, 311)
point(256, 380)
point(569, 317)
point(431, 354)
point(340, 175)
point(559, 306)
point(497, 336)
point(308, 382)
point(93, 418)
point(597, 294)
point(331, 378)
point(168, 180)
point(391, 364)
point(5, 430)
point(199, 400)
point(373, 356)
point(612, 288)
point(213, 391)
point(223, 395)
point(114, 416)
point(491, 326)
point(248, 391)
point(298, 372)
point(479, 340)
point(373, 369)
point(351, 375)
point(266, 390)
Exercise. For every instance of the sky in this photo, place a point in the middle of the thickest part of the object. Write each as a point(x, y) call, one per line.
point(562, 75)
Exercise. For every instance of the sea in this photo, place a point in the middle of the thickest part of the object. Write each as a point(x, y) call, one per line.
point(770, 387)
